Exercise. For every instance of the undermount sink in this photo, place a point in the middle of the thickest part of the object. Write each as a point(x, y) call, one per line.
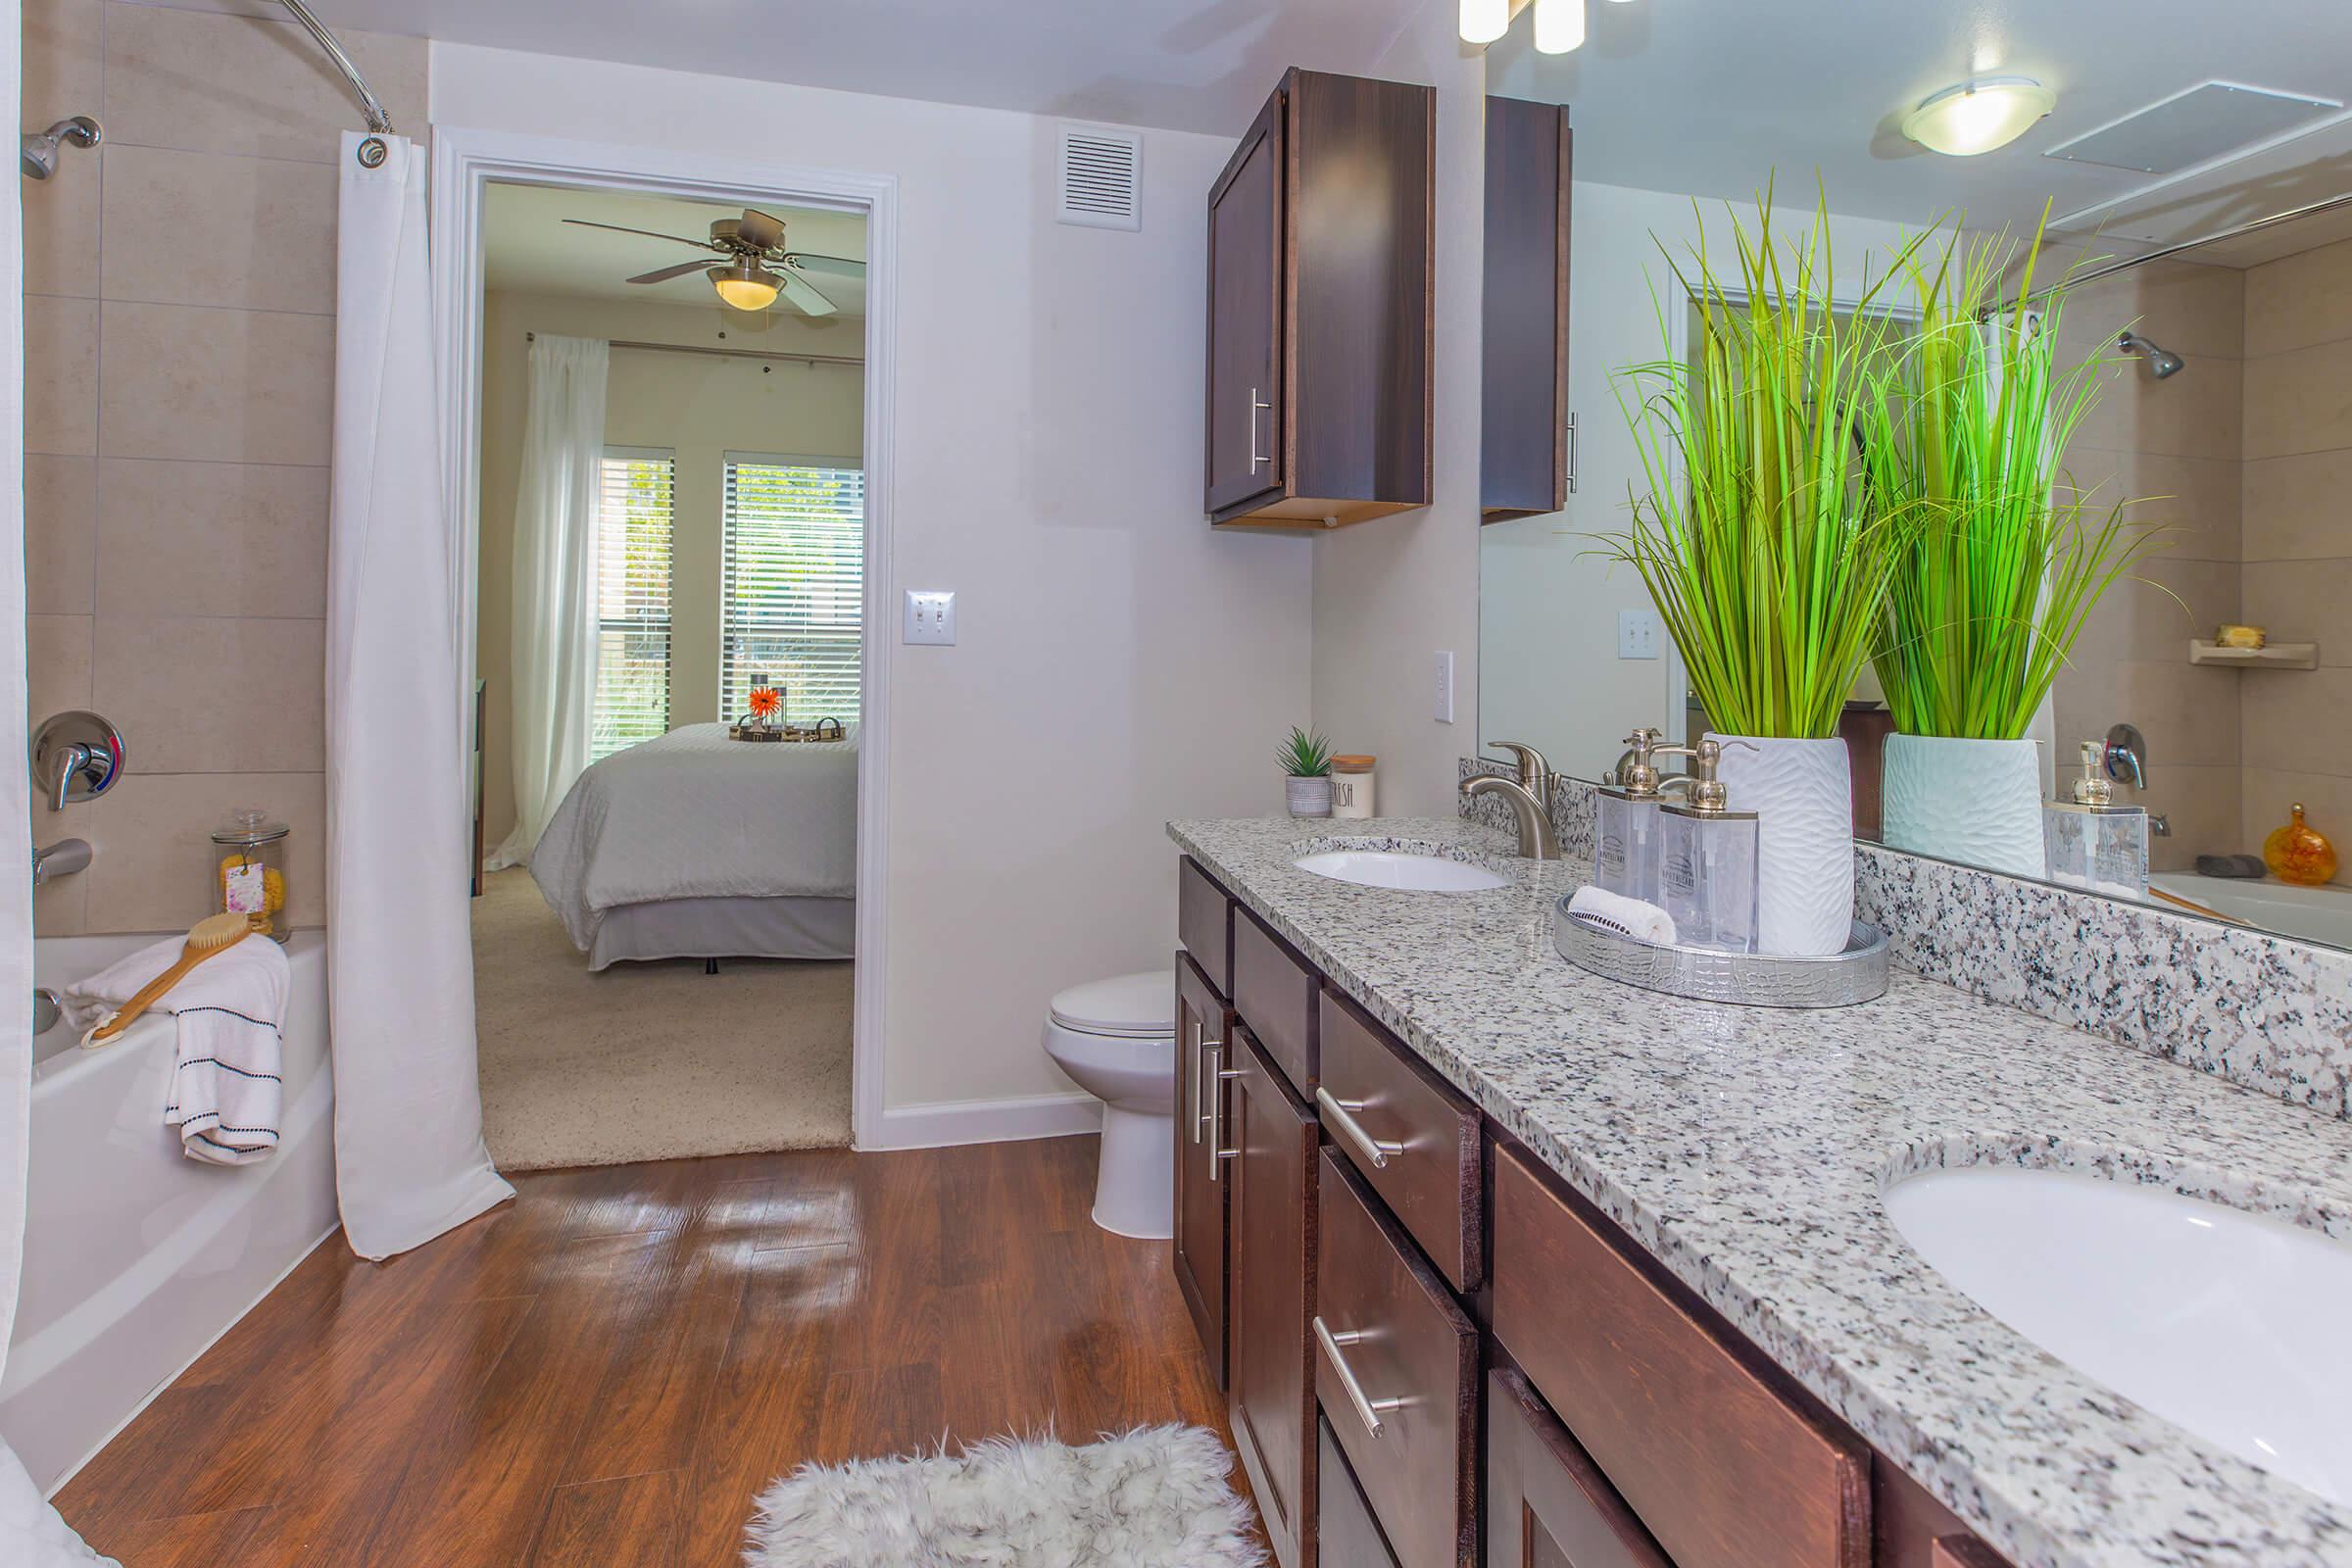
point(2227, 1323)
point(1390, 869)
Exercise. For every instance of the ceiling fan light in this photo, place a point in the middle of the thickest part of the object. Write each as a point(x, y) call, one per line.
point(1559, 26)
point(746, 285)
point(1485, 20)
point(1980, 116)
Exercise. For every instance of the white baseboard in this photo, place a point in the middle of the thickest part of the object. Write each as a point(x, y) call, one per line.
point(986, 1121)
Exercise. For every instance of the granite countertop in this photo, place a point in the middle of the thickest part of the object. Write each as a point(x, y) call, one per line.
point(1746, 1148)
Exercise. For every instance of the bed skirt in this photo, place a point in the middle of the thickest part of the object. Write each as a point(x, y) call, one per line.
point(726, 928)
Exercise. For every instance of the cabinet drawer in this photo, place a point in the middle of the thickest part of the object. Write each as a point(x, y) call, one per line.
point(1345, 1534)
point(1409, 1132)
point(1204, 924)
point(1724, 1469)
point(1396, 1376)
point(1274, 991)
point(1547, 1502)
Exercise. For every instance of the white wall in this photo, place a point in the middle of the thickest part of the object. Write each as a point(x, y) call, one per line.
point(1118, 662)
point(1389, 593)
point(1548, 666)
point(701, 406)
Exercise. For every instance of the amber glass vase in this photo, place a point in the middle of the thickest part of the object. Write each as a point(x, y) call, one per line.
point(2299, 853)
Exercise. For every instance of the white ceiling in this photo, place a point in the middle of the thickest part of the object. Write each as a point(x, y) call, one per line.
point(527, 245)
point(1187, 64)
point(1712, 96)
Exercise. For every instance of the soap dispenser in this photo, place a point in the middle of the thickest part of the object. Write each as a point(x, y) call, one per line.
point(2090, 841)
point(1625, 819)
point(1707, 861)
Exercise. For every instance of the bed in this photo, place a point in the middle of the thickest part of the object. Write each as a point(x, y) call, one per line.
point(693, 846)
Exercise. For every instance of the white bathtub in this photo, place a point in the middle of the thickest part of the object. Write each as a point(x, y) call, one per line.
point(136, 1258)
point(2315, 914)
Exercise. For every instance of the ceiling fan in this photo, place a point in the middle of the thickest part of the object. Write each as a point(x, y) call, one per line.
point(757, 266)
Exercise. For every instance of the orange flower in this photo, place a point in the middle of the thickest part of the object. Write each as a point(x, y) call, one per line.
point(765, 701)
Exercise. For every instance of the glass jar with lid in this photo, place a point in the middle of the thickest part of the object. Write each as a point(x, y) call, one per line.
point(250, 875)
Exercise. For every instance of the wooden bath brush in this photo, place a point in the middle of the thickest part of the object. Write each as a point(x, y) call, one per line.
point(215, 933)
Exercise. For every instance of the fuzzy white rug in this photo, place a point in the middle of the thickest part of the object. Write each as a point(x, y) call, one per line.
point(1155, 1497)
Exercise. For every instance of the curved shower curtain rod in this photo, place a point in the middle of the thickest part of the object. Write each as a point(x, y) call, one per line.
point(378, 120)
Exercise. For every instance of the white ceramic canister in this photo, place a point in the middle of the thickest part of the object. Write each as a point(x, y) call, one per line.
point(1802, 794)
point(1352, 787)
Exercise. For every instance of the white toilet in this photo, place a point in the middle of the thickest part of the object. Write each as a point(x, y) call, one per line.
point(1117, 1038)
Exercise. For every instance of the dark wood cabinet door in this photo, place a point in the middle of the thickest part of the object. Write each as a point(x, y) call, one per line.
point(1203, 1025)
point(1246, 257)
point(1525, 440)
point(1347, 1536)
point(1270, 1391)
point(1547, 1504)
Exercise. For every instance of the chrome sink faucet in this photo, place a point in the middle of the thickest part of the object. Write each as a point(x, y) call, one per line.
point(1530, 797)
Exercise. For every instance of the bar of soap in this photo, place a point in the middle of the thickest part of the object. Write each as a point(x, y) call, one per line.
point(2241, 636)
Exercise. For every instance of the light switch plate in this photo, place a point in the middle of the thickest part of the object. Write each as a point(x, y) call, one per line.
point(930, 616)
point(1637, 634)
point(1443, 712)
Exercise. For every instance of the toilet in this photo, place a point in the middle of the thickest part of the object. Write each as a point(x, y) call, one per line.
point(1117, 1038)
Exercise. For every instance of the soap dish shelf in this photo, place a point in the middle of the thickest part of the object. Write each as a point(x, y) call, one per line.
point(1741, 979)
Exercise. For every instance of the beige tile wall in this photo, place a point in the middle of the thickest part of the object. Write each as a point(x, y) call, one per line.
point(2298, 539)
point(2174, 450)
point(180, 377)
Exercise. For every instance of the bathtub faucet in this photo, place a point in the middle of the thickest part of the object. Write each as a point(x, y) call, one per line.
point(62, 858)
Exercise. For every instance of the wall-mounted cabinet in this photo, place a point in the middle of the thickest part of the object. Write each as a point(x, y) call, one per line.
point(1320, 236)
point(1526, 432)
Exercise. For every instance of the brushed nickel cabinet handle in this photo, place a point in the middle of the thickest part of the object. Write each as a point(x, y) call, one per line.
point(1202, 1093)
point(1255, 406)
point(1218, 1154)
point(1367, 1410)
point(1572, 464)
point(1340, 1114)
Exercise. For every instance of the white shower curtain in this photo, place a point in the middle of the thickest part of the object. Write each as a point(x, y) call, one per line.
point(552, 669)
point(31, 1534)
point(408, 1153)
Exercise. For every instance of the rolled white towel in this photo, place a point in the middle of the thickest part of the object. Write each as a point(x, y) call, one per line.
point(1604, 910)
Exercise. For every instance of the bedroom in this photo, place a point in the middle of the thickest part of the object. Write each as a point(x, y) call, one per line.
point(671, 530)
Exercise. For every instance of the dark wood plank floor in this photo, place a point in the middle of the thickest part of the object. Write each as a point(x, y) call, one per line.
point(608, 1370)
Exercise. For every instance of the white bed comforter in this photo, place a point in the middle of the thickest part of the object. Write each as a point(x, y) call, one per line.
point(694, 814)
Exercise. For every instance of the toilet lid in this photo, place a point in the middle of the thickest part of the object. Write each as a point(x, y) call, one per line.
point(1140, 1006)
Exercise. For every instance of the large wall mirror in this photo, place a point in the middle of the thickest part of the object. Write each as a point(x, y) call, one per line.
point(2209, 685)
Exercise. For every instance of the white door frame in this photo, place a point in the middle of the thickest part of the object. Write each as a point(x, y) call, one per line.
point(464, 163)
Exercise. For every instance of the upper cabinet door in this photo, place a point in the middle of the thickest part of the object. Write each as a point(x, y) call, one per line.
point(1527, 447)
point(1245, 253)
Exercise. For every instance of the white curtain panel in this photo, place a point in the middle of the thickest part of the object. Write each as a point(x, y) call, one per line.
point(31, 1534)
point(552, 669)
point(408, 1153)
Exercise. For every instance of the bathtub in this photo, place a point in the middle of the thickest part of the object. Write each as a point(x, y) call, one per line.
point(136, 1258)
point(2315, 914)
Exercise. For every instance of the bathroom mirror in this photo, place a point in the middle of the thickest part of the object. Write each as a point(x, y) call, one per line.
point(2222, 421)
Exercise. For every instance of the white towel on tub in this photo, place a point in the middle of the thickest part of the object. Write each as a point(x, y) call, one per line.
point(227, 1083)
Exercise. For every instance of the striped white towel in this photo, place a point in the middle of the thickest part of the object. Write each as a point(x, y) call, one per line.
point(227, 1088)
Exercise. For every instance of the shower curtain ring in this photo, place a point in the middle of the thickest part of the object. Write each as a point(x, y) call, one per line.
point(373, 151)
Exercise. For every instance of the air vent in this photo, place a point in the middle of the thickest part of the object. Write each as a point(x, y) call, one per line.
point(1101, 177)
point(2192, 127)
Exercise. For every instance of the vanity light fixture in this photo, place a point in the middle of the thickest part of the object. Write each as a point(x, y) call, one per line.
point(1559, 26)
point(746, 285)
point(1485, 20)
point(1976, 116)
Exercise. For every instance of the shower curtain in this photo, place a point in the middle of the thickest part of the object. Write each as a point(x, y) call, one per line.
point(408, 1153)
point(31, 1534)
point(552, 675)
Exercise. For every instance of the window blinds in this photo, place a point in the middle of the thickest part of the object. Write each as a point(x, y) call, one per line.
point(632, 599)
point(795, 585)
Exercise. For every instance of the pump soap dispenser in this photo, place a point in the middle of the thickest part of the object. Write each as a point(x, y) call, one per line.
point(1625, 819)
point(2090, 842)
point(1707, 861)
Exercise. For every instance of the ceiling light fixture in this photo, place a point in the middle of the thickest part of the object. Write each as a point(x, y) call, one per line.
point(1559, 26)
point(1976, 116)
point(746, 285)
point(1485, 20)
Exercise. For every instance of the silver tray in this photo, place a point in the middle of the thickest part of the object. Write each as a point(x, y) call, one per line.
point(1742, 979)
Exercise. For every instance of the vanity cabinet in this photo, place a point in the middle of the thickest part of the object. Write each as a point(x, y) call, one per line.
point(1527, 433)
point(1321, 230)
point(1204, 1027)
point(1270, 1280)
point(1547, 1504)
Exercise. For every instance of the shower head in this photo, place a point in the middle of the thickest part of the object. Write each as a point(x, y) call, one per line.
point(38, 148)
point(2163, 361)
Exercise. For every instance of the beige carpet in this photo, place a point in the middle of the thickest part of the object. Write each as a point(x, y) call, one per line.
point(649, 1060)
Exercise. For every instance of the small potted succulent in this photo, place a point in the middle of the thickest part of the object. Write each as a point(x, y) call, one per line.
point(1305, 760)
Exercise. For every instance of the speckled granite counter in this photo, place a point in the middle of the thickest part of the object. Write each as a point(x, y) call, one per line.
point(1747, 1147)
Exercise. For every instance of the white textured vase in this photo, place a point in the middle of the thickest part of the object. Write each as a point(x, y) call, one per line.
point(1975, 801)
point(1803, 793)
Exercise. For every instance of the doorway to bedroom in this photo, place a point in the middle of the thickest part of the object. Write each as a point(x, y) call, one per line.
point(669, 658)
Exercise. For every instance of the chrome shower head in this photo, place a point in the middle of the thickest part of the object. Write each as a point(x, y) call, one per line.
point(37, 149)
point(2163, 361)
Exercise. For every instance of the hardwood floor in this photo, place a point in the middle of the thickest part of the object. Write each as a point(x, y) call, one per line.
point(608, 1370)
